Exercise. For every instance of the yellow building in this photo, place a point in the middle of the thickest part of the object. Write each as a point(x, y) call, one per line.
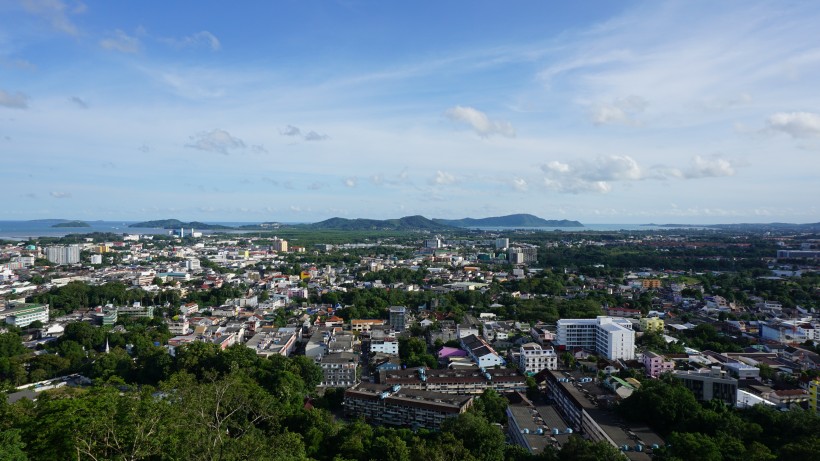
point(650, 284)
point(652, 324)
point(814, 391)
point(103, 248)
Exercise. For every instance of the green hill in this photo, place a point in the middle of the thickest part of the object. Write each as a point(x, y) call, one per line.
point(405, 223)
point(176, 224)
point(513, 220)
point(71, 224)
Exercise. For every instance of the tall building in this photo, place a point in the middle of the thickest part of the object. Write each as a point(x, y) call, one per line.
point(280, 245)
point(610, 337)
point(63, 254)
point(398, 317)
point(523, 255)
point(501, 243)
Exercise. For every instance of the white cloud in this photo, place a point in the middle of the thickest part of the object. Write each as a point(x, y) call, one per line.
point(57, 194)
point(602, 168)
point(557, 166)
point(796, 124)
point(443, 178)
point(216, 140)
point(121, 42)
point(479, 122)
point(56, 12)
point(200, 38)
point(620, 111)
point(351, 182)
point(16, 100)
point(520, 184)
point(709, 168)
point(577, 186)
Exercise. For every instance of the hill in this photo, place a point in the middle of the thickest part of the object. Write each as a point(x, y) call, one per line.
point(71, 224)
point(405, 223)
point(513, 220)
point(176, 224)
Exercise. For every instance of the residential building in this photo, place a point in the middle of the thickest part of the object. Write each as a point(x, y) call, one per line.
point(63, 254)
point(279, 245)
point(398, 317)
point(656, 364)
point(365, 324)
point(281, 341)
point(612, 338)
point(339, 369)
point(532, 358)
point(502, 243)
point(136, 310)
point(482, 353)
point(179, 327)
point(23, 315)
point(652, 324)
point(396, 405)
point(385, 346)
point(709, 384)
point(523, 255)
point(814, 395)
point(470, 380)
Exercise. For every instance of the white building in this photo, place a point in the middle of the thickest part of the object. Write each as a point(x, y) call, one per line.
point(385, 346)
point(63, 254)
point(610, 337)
point(532, 358)
point(482, 353)
point(23, 315)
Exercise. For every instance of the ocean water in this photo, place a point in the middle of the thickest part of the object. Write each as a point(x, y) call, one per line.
point(23, 230)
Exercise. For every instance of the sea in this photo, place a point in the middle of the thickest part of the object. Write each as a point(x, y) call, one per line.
point(24, 230)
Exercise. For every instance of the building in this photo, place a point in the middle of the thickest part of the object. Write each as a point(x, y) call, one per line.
point(384, 346)
point(339, 369)
point(578, 405)
point(395, 405)
point(656, 364)
point(23, 315)
point(96, 259)
point(281, 341)
point(482, 353)
point(279, 245)
point(179, 327)
point(709, 384)
point(532, 358)
point(137, 310)
point(502, 243)
point(365, 324)
point(650, 284)
point(398, 317)
point(814, 394)
point(652, 324)
point(535, 428)
point(456, 381)
point(523, 255)
point(612, 338)
point(63, 254)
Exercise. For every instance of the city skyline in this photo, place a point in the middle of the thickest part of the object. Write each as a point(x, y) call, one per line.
point(601, 112)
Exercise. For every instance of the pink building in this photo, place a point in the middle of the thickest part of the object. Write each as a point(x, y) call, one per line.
point(656, 364)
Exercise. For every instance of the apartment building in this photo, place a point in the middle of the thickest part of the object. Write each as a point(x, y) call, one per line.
point(339, 369)
point(532, 358)
point(481, 352)
point(456, 381)
point(656, 364)
point(395, 405)
point(709, 384)
point(610, 337)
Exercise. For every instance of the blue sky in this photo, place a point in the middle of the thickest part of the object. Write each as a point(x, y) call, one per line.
point(604, 112)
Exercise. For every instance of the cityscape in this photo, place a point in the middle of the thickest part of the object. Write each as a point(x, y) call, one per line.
point(358, 230)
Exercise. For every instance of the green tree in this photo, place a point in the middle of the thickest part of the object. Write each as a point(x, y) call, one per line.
point(485, 441)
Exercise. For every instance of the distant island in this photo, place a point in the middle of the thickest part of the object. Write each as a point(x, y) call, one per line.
point(400, 224)
point(513, 220)
point(747, 227)
point(71, 224)
point(177, 224)
point(407, 223)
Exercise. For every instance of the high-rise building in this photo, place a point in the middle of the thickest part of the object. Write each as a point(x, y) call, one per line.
point(280, 245)
point(501, 243)
point(608, 336)
point(63, 254)
point(398, 317)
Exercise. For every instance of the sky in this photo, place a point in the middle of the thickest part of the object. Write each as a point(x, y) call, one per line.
point(296, 111)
